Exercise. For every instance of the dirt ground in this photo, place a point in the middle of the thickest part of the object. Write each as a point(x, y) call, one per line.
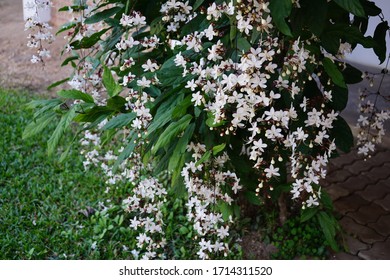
point(16, 70)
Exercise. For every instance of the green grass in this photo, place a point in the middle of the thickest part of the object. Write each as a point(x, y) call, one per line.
point(41, 200)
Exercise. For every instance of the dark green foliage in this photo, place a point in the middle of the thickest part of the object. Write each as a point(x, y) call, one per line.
point(300, 240)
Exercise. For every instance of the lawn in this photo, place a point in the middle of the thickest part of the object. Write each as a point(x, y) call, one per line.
point(43, 203)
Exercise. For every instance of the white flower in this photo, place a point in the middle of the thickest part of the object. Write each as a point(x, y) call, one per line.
point(179, 60)
point(244, 26)
point(223, 232)
point(209, 32)
point(134, 223)
point(138, 19)
point(363, 120)
point(300, 134)
point(320, 137)
point(143, 82)
point(206, 245)
point(191, 85)
point(201, 254)
point(150, 66)
point(197, 98)
point(259, 145)
point(312, 201)
point(271, 171)
point(173, 27)
point(143, 238)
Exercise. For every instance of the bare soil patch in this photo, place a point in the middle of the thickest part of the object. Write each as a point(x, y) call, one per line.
point(16, 70)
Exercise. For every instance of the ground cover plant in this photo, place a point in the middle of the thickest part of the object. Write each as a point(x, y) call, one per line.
point(40, 200)
point(224, 104)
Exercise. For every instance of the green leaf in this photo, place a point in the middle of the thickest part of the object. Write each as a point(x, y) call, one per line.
point(198, 23)
point(181, 146)
point(243, 45)
point(204, 158)
point(342, 134)
point(103, 15)
point(37, 126)
point(44, 106)
point(76, 94)
point(352, 75)
point(96, 113)
point(116, 103)
point(210, 121)
point(69, 59)
point(172, 131)
point(164, 111)
point(126, 151)
point(355, 36)
point(371, 9)
point(326, 200)
point(183, 230)
point(153, 91)
point(311, 16)
point(65, 154)
point(316, 16)
point(218, 149)
point(226, 210)
point(64, 123)
point(233, 30)
point(380, 34)
point(110, 84)
point(252, 198)
point(329, 227)
point(279, 190)
point(88, 42)
point(280, 10)
point(308, 213)
point(334, 73)
point(352, 6)
point(330, 42)
point(65, 27)
point(177, 180)
point(339, 98)
point(75, 8)
point(156, 26)
point(53, 85)
point(181, 108)
point(120, 121)
point(197, 4)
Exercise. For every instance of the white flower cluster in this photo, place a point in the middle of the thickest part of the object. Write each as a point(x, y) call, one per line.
point(40, 32)
point(144, 204)
point(248, 95)
point(204, 197)
point(134, 20)
point(145, 201)
point(176, 14)
point(137, 103)
point(86, 76)
point(133, 23)
point(372, 119)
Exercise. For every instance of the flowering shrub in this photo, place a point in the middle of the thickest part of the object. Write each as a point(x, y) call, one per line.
point(234, 101)
point(41, 31)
